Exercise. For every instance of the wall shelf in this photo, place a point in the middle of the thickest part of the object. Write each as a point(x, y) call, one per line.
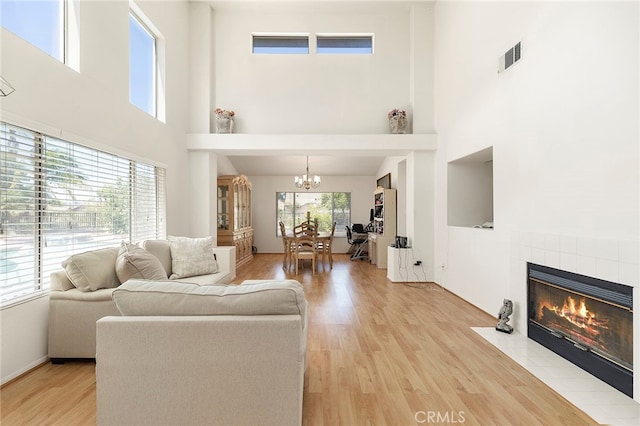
point(310, 144)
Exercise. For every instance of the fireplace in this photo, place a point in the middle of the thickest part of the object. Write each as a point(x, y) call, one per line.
point(585, 320)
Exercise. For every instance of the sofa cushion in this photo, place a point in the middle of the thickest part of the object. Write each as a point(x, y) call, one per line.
point(192, 256)
point(93, 270)
point(136, 262)
point(219, 277)
point(138, 297)
point(160, 249)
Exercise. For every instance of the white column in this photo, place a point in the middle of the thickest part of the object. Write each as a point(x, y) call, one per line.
point(200, 66)
point(420, 209)
point(422, 67)
point(203, 180)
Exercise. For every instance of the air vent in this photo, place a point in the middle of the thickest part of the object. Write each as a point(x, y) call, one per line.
point(510, 57)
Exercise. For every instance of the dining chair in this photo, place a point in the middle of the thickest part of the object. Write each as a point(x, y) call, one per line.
point(286, 247)
point(303, 249)
point(305, 228)
point(324, 247)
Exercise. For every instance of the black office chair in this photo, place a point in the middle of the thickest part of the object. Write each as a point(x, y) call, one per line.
point(359, 243)
point(357, 228)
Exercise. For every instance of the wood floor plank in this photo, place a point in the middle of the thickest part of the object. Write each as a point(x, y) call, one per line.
point(379, 353)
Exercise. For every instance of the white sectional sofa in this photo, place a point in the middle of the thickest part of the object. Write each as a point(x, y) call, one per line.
point(183, 354)
point(81, 294)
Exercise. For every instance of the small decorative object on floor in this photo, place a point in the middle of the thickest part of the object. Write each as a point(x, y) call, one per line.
point(397, 120)
point(224, 120)
point(503, 316)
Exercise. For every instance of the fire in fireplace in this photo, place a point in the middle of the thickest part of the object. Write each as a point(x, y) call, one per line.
point(585, 320)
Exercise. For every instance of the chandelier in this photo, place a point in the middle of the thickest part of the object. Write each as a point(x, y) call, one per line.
point(305, 181)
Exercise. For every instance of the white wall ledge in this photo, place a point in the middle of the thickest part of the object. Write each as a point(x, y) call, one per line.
point(480, 228)
point(312, 144)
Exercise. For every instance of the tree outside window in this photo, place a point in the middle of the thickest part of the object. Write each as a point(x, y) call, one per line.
point(325, 207)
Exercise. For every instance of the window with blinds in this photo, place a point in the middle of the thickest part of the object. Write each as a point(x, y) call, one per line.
point(326, 207)
point(59, 198)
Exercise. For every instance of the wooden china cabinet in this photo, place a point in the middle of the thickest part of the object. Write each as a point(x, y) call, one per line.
point(234, 216)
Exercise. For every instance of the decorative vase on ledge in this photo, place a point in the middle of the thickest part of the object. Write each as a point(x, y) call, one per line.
point(224, 120)
point(397, 121)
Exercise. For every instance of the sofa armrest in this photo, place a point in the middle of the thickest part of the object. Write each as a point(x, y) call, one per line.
point(60, 281)
point(226, 257)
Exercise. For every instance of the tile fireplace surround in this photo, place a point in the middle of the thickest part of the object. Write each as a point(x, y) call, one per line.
point(610, 260)
point(600, 401)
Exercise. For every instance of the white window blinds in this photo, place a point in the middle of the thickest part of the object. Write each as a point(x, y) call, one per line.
point(59, 198)
point(19, 177)
point(148, 203)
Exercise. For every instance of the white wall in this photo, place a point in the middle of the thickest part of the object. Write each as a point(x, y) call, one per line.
point(23, 337)
point(563, 123)
point(92, 107)
point(263, 199)
point(421, 209)
point(309, 94)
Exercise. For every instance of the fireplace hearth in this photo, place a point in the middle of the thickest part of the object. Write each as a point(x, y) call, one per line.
point(585, 320)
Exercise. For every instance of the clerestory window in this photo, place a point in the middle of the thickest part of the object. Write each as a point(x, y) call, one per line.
point(142, 66)
point(146, 65)
point(344, 44)
point(285, 43)
point(41, 23)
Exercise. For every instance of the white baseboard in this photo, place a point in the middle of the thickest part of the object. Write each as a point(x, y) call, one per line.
point(24, 370)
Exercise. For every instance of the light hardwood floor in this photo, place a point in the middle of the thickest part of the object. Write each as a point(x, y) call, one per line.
point(379, 353)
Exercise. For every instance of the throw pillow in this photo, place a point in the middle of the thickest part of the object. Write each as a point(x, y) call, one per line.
point(92, 270)
point(192, 256)
point(136, 262)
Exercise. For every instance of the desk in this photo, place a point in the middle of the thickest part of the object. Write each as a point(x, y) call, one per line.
point(322, 238)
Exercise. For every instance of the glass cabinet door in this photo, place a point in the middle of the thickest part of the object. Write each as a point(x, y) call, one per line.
point(241, 206)
point(248, 206)
point(236, 206)
point(244, 206)
point(223, 207)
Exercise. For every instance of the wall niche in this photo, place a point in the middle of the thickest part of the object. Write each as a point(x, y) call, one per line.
point(470, 190)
